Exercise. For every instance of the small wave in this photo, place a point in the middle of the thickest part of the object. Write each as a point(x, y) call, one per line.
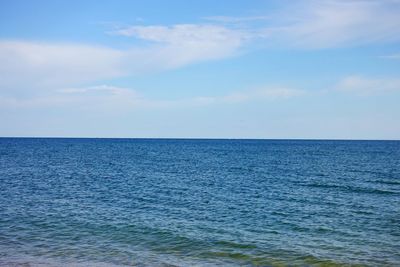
point(314, 261)
point(351, 189)
point(268, 259)
point(388, 182)
point(236, 245)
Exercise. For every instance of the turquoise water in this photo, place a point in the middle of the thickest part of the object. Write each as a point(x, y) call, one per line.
point(155, 202)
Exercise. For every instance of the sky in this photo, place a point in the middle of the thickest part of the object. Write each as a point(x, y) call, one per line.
point(200, 69)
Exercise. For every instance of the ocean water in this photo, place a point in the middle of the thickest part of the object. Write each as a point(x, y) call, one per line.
point(155, 202)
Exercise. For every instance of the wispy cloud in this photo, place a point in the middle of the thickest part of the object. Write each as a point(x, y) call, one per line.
point(115, 99)
point(268, 93)
point(53, 65)
point(182, 44)
point(367, 86)
point(40, 65)
point(304, 24)
point(392, 56)
point(326, 24)
point(93, 98)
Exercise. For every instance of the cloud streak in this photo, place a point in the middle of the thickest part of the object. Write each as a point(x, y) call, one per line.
point(393, 56)
point(116, 99)
point(368, 86)
point(328, 24)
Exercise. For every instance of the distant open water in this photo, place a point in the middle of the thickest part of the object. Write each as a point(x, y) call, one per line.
point(155, 202)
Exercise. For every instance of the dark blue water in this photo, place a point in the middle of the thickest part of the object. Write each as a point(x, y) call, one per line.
point(105, 202)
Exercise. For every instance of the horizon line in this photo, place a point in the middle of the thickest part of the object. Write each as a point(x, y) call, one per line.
point(197, 138)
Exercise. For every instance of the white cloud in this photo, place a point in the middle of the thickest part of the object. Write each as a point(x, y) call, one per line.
point(367, 86)
point(182, 44)
point(183, 34)
point(37, 65)
point(54, 65)
point(29, 68)
point(326, 24)
point(303, 24)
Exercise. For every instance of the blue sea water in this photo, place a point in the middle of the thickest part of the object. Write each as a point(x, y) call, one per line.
point(164, 202)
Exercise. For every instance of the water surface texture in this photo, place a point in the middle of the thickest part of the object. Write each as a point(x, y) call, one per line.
point(155, 202)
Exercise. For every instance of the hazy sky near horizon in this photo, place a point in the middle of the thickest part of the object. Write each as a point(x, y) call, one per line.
point(212, 69)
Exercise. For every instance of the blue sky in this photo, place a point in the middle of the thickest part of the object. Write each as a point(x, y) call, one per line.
point(207, 69)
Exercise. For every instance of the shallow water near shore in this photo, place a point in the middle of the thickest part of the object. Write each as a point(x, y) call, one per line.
point(166, 202)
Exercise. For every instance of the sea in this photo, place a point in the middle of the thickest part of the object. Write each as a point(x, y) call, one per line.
point(199, 202)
